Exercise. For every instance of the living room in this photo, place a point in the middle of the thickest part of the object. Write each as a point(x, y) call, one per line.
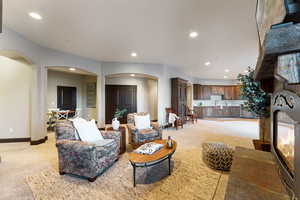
point(149, 100)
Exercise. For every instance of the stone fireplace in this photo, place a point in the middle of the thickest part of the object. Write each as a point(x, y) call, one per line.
point(286, 138)
point(278, 70)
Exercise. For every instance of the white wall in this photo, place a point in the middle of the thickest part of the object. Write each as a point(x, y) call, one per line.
point(15, 98)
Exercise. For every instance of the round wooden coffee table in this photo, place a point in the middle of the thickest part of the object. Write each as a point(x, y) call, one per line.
point(141, 160)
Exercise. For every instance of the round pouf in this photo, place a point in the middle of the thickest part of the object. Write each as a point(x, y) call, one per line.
point(217, 155)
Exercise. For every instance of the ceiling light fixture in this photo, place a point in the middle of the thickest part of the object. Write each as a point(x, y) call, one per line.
point(225, 76)
point(133, 54)
point(132, 75)
point(193, 34)
point(35, 15)
point(207, 63)
point(227, 70)
point(72, 69)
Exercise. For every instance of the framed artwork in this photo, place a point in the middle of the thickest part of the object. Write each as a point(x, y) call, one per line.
point(288, 67)
point(91, 90)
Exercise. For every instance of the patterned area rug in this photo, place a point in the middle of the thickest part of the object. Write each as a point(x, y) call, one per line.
point(190, 179)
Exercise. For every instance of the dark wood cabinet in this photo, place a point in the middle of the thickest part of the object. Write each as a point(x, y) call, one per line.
point(217, 90)
point(120, 96)
point(204, 92)
point(217, 111)
point(197, 91)
point(179, 96)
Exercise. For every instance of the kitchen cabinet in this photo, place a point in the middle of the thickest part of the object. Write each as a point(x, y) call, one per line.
point(179, 96)
point(217, 111)
point(217, 90)
point(204, 92)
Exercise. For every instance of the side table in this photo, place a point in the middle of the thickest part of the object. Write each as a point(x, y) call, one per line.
point(122, 130)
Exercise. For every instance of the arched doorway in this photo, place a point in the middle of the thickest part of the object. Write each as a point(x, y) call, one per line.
point(134, 91)
point(71, 92)
point(16, 102)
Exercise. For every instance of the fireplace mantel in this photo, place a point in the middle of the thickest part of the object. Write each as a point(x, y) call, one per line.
point(279, 40)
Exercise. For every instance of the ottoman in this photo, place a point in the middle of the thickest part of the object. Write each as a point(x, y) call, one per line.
point(217, 155)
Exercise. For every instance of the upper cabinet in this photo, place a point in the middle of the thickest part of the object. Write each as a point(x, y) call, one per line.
point(204, 92)
point(217, 90)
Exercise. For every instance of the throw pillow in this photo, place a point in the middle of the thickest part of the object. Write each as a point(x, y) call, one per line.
point(88, 131)
point(77, 120)
point(142, 121)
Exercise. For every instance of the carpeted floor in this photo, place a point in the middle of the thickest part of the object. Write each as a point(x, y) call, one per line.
point(190, 179)
point(30, 172)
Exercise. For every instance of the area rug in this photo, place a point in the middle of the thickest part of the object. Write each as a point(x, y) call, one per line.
point(190, 179)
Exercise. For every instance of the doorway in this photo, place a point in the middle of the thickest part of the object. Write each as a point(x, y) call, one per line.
point(121, 97)
point(66, 98)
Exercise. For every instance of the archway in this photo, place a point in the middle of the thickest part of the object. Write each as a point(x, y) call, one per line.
point(146, 94)
point(61, 80)
point(18, 118)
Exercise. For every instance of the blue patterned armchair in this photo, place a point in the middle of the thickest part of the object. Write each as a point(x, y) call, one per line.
point(85, 159)
point(139, 137)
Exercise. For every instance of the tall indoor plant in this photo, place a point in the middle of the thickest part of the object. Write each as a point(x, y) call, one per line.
point(258, 103)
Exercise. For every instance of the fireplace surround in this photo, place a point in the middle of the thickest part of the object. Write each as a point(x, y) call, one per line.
point(285, 139)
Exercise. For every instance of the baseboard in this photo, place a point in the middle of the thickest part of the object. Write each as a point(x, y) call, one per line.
point(37, 142)
point(13, 140)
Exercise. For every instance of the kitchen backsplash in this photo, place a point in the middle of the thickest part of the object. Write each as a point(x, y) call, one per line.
point(222, 103)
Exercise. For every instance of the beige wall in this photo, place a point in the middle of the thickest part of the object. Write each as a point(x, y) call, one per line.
point(151, 91)
point(15, 98)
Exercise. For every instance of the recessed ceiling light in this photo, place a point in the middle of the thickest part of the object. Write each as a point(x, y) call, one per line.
point(227, 70)
point(133, 54)
point(132, 74)
point(207, 63)
point(225, 76)
point(35, 15)
point(193, 34)
point(72, 69)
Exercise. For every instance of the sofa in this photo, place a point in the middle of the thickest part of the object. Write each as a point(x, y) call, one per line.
point(84, 159)
point(138, 137)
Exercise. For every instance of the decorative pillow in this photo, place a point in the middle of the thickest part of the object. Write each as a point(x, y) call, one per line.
point(88, 131)
point(77, 120)
point(142, 121)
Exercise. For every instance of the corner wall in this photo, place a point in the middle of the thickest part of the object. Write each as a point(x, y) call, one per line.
point(15, 98)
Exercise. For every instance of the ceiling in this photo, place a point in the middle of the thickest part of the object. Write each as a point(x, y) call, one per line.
point(158, 31)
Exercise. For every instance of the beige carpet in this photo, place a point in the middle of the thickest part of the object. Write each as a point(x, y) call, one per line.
point(20, 160)
point(190, 179)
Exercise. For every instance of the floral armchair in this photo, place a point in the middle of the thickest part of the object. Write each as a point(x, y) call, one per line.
point(139, 137)
point(82, 158)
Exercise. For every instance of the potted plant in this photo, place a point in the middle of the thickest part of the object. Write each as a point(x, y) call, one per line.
point(118, 114)
point(258, 103)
